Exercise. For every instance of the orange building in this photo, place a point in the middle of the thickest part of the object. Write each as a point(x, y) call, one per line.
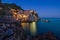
point(28, 19)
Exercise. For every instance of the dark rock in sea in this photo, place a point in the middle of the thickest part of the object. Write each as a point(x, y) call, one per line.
point(44, 20)
point(47, 36)
point(14, 31)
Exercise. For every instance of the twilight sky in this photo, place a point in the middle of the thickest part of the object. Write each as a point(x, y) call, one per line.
point(44, 8)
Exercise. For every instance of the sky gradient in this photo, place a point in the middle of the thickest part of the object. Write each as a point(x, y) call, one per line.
point(44, 8)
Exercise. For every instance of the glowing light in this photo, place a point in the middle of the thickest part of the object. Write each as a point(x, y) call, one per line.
point(31, 10)
point(33, 28)
point(20, 16)
point(15, 13)
point(23, 25)
point(24, 16)
point(17, 19)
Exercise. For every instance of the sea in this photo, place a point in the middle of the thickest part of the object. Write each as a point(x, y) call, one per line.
point(52, 26)
point(43, 27)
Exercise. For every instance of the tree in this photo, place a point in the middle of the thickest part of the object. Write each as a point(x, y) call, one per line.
point(3, 13)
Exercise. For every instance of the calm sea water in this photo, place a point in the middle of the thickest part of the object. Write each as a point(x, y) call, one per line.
point(52, 26)
point(44, 27)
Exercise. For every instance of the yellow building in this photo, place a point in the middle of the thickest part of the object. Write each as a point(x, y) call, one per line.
point(28, 19)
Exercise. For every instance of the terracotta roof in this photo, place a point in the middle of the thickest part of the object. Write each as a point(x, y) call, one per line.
point(27, 11)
